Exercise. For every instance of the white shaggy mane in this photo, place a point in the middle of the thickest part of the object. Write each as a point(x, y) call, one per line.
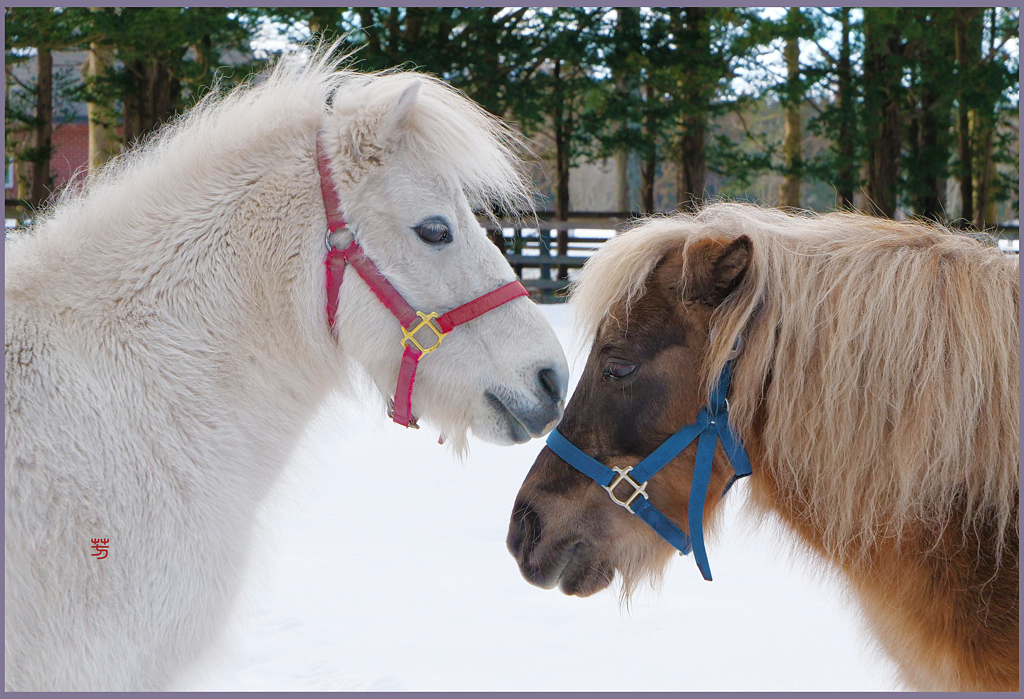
point(298, 91)
point(884, 355)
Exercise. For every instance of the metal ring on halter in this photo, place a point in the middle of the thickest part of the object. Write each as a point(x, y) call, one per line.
point(343, 229)
point(390, 410)
point(736, 348)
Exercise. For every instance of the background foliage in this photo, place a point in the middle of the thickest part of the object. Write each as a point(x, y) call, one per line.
point(896, 111)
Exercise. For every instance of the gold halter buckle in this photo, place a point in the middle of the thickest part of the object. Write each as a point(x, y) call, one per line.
point(425, 320)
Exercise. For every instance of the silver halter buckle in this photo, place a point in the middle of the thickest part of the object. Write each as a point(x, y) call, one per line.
point(638, 488)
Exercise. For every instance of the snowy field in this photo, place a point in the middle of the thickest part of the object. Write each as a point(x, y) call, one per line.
point(381, 565)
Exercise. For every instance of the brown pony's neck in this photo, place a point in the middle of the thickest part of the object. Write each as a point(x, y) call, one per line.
point(942, 601)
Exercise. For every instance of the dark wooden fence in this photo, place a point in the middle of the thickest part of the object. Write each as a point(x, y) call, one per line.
point(534, 244)
point(529, 245)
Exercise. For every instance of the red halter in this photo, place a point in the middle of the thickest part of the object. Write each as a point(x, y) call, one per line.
point(435, 327)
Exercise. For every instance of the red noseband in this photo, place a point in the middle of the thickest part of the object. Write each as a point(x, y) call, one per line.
point(421, 332)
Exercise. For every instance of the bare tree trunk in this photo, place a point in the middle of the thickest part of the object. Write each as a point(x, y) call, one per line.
point(845, 186)
point(789, 190)
point(43, 146)
point(103, 144)
point(649, 164)
point(414, 17)
point(627, 41)
point(562, 174)
point(966, 174)
point(563, 132)
point(152, 102)
point(648, 171)
point(928, 183)
point(561, 148)
point(966, 56)
point(691, 165)
point(883, 75)
point(562, 179)
point(882, 182)
point(621, 166)
point(991, 215)
point(982, 123)
point(984, 170)
point(621, 181)
point(691, 160)
point(932, 127)
point(373, 47)
point(936, 63)
point(563, 204)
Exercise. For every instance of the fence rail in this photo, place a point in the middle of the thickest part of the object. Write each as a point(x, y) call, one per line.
point(539, 240)
point(535, 245)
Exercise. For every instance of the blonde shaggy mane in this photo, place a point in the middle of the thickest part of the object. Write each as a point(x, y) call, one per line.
point(885, 355)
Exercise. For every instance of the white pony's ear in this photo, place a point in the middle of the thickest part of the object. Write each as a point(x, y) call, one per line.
point(374, 131)
point(396, 121)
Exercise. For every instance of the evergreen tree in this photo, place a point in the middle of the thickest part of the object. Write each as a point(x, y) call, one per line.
point(167, 57)
point(30, 107)
point(930, 53)
point(838, 82)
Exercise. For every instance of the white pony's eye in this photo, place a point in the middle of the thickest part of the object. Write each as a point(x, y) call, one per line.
point(434, 231)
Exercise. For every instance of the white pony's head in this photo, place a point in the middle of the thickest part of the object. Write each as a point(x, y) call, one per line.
point(411, 159)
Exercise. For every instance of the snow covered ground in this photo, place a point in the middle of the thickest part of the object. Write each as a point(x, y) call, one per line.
point(381, 565)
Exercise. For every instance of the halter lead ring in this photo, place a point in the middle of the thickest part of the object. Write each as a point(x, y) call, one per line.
point(638, 488)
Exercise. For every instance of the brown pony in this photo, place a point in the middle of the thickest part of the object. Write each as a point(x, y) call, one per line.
point(876, 394)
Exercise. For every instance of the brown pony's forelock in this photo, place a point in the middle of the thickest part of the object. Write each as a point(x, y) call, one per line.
point(884, 354)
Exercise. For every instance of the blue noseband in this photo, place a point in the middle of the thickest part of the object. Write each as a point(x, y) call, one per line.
point(712, 425)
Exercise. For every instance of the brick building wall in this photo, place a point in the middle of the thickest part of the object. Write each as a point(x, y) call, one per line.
point(71, 153)
point(70, 156)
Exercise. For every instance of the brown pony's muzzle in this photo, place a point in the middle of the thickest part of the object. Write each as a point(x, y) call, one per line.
point(552, 537)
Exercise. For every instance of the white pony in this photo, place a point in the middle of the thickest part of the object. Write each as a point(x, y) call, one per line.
point(166, 343)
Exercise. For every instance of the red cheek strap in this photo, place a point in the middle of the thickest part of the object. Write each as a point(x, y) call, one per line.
point(422, 333)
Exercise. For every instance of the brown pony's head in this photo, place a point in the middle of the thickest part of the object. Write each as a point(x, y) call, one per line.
point(644, 379)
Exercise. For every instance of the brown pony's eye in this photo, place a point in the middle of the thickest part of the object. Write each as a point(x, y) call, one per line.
point(618, 369)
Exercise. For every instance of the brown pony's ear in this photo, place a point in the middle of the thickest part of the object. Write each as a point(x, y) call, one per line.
point(668, 273)
point(714, 268)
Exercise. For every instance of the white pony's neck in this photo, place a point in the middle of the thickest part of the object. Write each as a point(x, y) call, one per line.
point(203, 256)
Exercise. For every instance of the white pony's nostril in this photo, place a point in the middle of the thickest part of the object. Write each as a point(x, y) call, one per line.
point(554, 423)
point(553, 384)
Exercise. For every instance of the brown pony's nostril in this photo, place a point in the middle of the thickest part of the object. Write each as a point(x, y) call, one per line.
point(524, 530)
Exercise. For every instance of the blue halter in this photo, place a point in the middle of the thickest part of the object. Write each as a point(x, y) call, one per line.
point(712, 424)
